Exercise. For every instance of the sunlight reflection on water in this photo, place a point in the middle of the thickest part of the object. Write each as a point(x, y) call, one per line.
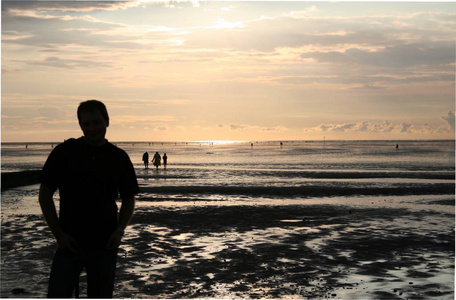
point(408, 202)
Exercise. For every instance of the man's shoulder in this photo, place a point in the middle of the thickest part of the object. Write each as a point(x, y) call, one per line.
point(72, 142)
point(116, 150)
point(113, 147)
point(62, 152)
point(67, 144)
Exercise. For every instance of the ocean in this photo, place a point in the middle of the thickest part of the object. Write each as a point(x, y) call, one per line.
point(297, 169)
point(279, 219)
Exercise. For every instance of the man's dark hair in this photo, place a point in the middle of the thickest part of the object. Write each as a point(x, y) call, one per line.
point(93, 106)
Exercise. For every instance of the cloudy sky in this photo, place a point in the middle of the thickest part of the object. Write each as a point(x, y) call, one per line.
point(172, 71)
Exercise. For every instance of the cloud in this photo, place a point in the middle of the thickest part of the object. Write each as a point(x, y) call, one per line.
point(162, 128)
point(54, 32)
point(27, 116)
point(368, 127)
point(449, 119)
point(52, 113)
point(357, 40)
point(394, 56)
point(137, 119)
point(273, 129)
point(370, 37)
point(68, 5)
point(255, 128)
point(325, 50)
point(306, 13)
point(237, 127)
point(367, 82)
point(430, 130)
point(228, 8)
point(339, 127)
point(68, 63)
point(406, 127)
point(287, 55)
point(386, 126)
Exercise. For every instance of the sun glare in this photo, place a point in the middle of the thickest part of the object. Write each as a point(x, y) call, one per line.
point(219, 142)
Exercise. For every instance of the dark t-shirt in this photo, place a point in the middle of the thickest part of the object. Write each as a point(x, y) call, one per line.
point(89, 180)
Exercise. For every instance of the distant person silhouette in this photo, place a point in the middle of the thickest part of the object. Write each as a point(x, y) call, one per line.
point(397, 146)
point(156, 160)
point(145, 159)
point(165, 160)
point(90, 174)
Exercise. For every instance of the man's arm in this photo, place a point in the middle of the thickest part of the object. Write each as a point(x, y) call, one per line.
point(46, 201)
point(126, 213)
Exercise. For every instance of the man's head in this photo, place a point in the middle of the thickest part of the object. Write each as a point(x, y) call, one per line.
point(93, 106)
point(93, 119)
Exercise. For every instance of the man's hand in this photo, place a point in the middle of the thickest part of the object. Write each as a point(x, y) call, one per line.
point(65, 241)
point(50, 215)
point(114, 240)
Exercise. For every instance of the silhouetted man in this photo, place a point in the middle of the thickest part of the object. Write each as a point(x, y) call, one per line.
point(90, 173)
point(145, 159)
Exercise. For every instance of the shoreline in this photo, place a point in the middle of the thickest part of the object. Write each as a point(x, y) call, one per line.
point(305, 191)
point(441, 186)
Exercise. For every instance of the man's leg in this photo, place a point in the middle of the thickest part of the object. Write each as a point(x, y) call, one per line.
point(66, 268)
point(101, 269)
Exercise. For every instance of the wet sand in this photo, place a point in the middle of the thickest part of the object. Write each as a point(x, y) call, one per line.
point(207, 250)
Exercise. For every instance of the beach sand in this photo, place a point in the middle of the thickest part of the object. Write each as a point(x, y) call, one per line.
point(207, 250)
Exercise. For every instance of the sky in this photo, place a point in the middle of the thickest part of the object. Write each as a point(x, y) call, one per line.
point(230, 71)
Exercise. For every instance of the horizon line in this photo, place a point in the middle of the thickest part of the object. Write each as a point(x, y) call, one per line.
point(222, 142)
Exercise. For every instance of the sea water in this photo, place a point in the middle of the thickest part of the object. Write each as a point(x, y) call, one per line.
point(288, 169)
point(251, 163)
point(419, 175)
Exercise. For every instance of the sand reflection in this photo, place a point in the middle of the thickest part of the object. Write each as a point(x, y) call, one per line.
point(363, 248)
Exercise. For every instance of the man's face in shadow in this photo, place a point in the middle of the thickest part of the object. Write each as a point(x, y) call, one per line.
point(93, 126)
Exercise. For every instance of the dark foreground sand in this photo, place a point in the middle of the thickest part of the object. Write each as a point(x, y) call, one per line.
point(301, 251)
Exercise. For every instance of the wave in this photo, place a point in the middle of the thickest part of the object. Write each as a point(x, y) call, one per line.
point(280, 188)
point(308, 174)
point(306, 191)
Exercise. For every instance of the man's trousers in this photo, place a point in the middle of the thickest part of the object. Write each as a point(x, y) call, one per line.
point(100, 267)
